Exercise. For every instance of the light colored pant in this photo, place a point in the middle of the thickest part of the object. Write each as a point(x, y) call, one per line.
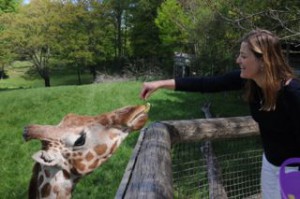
point(270, 187)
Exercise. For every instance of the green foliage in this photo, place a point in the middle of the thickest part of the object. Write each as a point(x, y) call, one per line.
point(144, 34)
point(119, 16)
point(9, 5)
point(193, 27)
point(109, 35)
point(172, 22)
point(75, 33)
point(211, 29)
point(83, 34)
point(278, 16)
point(32, 33)
point(6, 54)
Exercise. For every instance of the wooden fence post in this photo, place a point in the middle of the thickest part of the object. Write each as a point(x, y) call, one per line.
point(151, 175)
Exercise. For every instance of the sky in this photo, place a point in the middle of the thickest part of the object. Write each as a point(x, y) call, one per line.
point(26, 1)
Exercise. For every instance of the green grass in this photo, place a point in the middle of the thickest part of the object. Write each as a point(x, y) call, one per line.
point(21, 75)
point(20, 107)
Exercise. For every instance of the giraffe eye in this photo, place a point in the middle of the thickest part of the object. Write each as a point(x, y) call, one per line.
point(81, 140)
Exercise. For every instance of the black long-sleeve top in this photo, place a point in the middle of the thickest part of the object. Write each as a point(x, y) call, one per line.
point(279, 129)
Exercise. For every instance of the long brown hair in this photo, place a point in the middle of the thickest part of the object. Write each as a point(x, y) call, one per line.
point(266, 46)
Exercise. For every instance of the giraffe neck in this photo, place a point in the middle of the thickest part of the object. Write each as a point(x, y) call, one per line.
point(51, 183)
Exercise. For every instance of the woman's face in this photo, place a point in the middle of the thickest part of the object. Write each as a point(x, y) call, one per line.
point(249, 64)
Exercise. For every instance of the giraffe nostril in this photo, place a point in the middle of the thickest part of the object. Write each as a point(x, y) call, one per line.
point(26, 137)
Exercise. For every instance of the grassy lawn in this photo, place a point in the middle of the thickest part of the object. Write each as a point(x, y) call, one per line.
point(22, 76)
point(39, 105)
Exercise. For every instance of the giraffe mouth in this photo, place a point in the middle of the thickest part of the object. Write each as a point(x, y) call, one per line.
point(45, 158)
point(142, 114)
point(139, 118)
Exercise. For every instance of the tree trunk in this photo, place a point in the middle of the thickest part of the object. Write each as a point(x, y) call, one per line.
point(40, 58)
point(2, 72)
point(93, 72)
point(78, 75)
point(47, 81)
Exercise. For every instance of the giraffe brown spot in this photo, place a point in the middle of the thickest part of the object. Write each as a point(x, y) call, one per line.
point(79, 165)
point(76, 154)
point(113, 118)
point(45, 192)
point(100, 149)
point(41, 179)
point(66, 174)
point(89, 156)
point(104, 121)
point(94, 165)
point(67, 155)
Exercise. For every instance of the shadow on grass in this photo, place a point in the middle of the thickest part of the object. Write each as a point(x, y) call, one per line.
point(179, 105)
point(12, 89)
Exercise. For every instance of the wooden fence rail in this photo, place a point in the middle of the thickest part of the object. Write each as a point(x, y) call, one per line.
point(149, 171)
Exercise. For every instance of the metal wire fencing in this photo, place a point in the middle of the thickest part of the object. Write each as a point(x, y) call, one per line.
point(236, 166)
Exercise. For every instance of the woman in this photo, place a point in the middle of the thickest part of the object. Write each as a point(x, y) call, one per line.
point(273, 94)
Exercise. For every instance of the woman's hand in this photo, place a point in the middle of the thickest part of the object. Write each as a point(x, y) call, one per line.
point(149, 87)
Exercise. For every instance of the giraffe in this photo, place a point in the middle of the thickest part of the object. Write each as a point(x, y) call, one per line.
point(77, 146)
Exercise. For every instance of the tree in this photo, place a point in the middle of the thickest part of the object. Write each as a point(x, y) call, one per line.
point(214, 27)
point(88, 35)
point(186, 26)
point(173, 23)
point(118, 9)
point(118, 13)
point(235, 18)
point(74, 39)
point(32, 33)
point(6, 55)
point(279, 16)
point(144, 34)
point(7, 6)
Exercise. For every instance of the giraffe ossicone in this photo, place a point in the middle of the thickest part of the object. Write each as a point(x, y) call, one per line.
point(77, 146)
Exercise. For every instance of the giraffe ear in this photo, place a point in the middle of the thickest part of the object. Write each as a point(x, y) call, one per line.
point(45, 158)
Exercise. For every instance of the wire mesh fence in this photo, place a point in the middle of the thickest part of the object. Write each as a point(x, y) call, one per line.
point(239, 164)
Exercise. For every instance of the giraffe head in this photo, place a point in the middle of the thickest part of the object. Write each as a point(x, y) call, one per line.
point(80, 144)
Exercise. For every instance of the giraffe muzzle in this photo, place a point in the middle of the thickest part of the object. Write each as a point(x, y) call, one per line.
point(26, 136)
